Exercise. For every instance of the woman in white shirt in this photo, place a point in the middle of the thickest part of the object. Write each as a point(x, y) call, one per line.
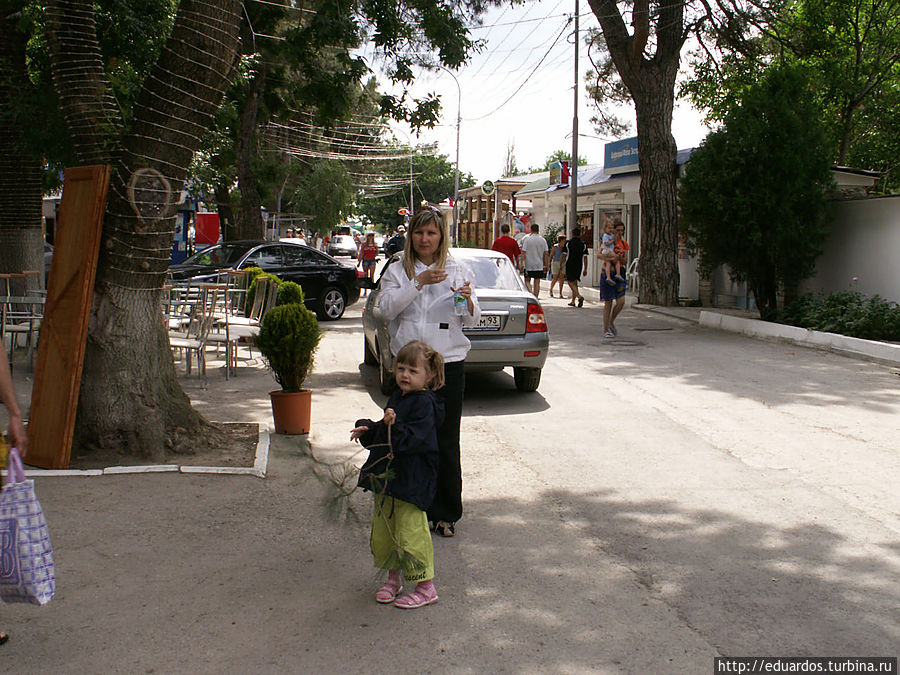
point(417, 297)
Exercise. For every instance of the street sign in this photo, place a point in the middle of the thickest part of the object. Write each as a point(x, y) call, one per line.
point(487, 187)
point(403, 211)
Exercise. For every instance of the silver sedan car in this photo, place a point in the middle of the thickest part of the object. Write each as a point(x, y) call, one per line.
point(512, 331)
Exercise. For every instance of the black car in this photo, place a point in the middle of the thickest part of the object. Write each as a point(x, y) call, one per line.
point(329, 286)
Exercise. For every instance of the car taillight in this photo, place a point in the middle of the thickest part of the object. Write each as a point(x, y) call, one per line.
point(535, 323)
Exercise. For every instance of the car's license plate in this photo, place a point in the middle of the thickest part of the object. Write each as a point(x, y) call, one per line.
point(488, 322)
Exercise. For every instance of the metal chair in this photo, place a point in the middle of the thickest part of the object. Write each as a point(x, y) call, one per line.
point(201, 320)
point(631, 275)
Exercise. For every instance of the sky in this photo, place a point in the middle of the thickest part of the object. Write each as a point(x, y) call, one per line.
point(518, 91)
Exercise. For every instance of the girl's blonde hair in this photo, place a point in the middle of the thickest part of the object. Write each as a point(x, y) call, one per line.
point(413, 352)
point(425, 215)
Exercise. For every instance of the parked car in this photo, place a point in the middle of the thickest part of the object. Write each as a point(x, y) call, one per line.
point(329, 285)
point(512, 331)
point(342, 244)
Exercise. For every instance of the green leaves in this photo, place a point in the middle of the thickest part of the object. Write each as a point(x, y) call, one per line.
point(753, 194)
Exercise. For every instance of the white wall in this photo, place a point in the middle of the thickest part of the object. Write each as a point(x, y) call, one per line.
point(863, 242)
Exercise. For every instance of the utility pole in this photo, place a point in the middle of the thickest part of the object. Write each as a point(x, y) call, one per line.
point(573, 165)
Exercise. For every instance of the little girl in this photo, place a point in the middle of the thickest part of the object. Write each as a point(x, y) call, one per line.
point(401, 471)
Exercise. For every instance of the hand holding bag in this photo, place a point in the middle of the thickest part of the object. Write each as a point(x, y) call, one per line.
point(26, 556)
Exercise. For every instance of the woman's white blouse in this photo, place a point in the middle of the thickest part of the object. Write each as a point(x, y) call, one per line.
point(427, 315)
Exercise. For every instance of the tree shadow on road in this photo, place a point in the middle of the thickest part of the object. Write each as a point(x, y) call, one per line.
point(650, 587)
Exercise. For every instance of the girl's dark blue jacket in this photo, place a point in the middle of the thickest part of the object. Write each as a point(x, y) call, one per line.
point(414, 444)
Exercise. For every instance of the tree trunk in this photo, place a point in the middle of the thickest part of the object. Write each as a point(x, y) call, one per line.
point(657, 155)
point(130, 398)
point(226, 213)
point(651, 82)
point(249, 223)
point(20, 171)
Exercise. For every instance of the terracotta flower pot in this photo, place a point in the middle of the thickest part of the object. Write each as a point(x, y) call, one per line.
point(291, 411)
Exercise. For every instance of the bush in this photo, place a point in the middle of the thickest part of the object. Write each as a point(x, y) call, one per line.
point(251, 291)
point(288, 338)
point(290, 293)
point(847, 313)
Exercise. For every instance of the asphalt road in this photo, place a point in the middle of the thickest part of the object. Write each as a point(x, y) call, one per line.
point(665, 497)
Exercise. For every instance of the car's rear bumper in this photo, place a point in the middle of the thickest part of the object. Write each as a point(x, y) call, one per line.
point(501, 351)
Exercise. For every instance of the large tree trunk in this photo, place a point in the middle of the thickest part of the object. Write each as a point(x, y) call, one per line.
point(657, 155)
point(130, 397)
point(226, 213)
point(249, 223)
point(20, 171)
point(651, 82)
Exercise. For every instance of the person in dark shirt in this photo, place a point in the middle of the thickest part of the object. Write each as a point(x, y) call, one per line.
point(401, 471)
point(574, 259)
point(396, 243)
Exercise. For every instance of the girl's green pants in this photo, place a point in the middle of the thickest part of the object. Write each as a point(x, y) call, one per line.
point(410, 548)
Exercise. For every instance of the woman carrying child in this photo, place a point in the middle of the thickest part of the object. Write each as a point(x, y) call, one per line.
point(401, 472)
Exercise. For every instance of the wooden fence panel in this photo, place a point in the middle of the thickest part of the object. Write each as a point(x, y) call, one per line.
point(57, 376)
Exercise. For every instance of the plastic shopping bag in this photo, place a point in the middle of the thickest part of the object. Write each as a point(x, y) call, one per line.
point(26, 556)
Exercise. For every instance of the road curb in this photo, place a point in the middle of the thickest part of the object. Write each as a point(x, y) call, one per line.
point(857, 347)
point(259, 468)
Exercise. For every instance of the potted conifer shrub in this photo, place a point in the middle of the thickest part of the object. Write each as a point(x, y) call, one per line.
point(288, 338)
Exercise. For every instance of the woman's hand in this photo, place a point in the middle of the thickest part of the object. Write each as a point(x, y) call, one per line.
point(17, 436)
point(431, 276)
point(466, 291)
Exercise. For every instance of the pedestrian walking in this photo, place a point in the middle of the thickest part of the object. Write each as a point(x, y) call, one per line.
point(418, 299)
point(506, 244)
point(396, 243)
point(613, 296)
point(368, 256)
point(574, 259)
point(537, 260)
point(557, 271)
point(401, 472)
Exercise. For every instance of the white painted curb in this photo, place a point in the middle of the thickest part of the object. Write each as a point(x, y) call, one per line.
point(258, 469)
point(880, 351)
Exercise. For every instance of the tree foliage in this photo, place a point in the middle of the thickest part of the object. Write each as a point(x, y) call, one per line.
point(849, 50)
point(326, 194)
point(753, 194)
point(302, 62)
point(433, 178)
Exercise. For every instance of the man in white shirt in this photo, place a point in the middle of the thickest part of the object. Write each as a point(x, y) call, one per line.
point(537, 259)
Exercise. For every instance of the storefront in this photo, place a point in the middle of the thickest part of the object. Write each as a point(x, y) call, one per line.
point(602, 198)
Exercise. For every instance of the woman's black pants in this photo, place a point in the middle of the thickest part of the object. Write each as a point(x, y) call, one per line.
point(447, 504)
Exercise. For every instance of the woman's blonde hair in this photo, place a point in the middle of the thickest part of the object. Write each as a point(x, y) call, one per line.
point(412, 352)
point(425, 215)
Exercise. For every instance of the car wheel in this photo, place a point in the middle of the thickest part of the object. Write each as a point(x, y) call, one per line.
point(369, 357)
point(527, 379)
point(385, 377)
point(332, 304)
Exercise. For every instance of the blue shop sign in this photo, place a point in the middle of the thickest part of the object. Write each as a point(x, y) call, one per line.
point(621, 156)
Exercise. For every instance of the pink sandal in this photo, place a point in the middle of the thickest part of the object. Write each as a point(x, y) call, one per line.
point(388, 593)
point(415, 600)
